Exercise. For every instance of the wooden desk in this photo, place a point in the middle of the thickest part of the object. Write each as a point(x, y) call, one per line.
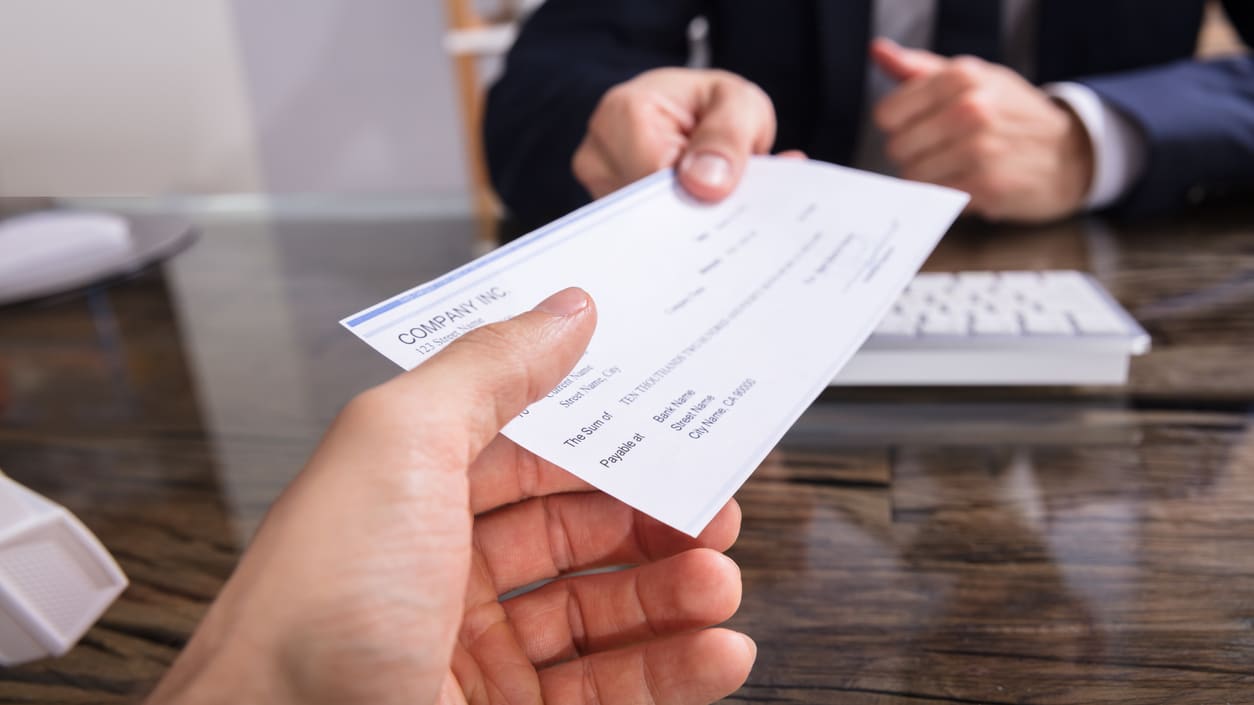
point(900, 546)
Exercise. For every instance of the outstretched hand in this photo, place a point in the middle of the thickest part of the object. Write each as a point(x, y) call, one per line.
point(704, 123)
point(982, 128)
point(376, 578)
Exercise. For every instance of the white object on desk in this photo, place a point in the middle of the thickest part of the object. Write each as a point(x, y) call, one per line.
point(56, 579)
point(57, 250)
point(999, 328)
point(49, 252)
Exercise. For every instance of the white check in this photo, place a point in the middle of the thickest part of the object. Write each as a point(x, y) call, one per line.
point(718, 324)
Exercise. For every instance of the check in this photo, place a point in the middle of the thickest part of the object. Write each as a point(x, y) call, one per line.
point(718, 324)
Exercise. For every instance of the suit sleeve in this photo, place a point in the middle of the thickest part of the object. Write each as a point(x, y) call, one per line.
point(1197, 118)
point(568, 54)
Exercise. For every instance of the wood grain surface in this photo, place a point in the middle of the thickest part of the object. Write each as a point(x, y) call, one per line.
point(900, 546)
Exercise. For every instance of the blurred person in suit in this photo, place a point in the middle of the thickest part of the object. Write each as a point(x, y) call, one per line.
point(1038, 109)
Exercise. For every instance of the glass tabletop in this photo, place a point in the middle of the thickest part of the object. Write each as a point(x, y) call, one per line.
point(947, 545)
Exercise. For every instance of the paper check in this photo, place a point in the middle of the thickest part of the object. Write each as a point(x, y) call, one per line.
point(718, 324)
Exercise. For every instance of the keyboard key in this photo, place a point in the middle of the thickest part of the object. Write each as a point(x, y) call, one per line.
point(1004, 300)
point(1069, 290)
point(942, 324)
point(961, 308)
point(896, 324)
point(1046, 323)
point(910, 309)
point(974, 286)
point(986, 323)
point(930, 283)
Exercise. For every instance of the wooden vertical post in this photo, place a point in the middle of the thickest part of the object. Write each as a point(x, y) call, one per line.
point(461, 15)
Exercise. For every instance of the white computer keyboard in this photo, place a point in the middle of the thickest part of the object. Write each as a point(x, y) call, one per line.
point(1000, 328)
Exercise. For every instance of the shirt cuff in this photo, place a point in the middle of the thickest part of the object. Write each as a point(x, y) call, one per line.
point(1118, 146)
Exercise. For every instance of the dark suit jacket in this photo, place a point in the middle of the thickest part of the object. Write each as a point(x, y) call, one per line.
point(811, 57)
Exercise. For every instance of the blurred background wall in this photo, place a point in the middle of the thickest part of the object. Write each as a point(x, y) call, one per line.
point(227, 96)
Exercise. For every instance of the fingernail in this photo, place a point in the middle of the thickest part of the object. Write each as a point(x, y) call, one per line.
point(566, 302)
point(753, 646)
point(711, 169)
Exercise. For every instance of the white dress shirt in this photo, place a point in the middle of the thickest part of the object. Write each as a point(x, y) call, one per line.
point(1118, 147)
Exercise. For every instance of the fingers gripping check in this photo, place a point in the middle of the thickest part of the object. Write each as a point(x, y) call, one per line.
point(487, 377)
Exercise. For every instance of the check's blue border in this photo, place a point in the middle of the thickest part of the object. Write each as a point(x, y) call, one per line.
point(531, 238)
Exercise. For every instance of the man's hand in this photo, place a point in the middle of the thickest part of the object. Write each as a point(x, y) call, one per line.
point(705, 122)
point(983, 129)
point(376, 576)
